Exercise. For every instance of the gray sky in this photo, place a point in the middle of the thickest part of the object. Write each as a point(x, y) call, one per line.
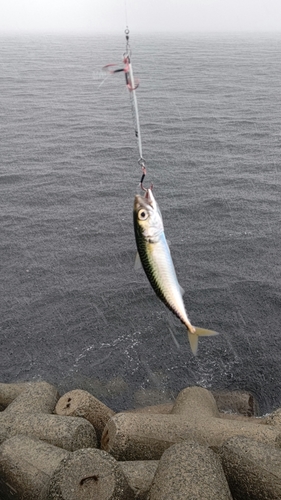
point(142, 15)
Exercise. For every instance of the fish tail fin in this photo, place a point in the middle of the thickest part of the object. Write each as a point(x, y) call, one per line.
point(198, 332)
point(193, 340)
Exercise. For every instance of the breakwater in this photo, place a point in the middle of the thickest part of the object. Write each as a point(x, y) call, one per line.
point(204, 445)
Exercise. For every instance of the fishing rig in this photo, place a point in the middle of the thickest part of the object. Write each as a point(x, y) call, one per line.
point(132, 85)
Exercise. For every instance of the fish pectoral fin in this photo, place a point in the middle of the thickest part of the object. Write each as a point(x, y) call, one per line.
point(138, 264)
point(199, 332)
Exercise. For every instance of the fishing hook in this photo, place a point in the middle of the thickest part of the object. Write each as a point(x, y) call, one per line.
point(143, 167)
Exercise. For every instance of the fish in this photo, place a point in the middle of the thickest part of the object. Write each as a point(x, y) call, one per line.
point(156, 260)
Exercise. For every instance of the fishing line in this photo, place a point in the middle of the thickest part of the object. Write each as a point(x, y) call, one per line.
point(126, 13)
point(132, 84)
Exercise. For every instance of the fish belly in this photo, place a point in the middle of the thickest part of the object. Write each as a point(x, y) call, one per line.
point(162, 276)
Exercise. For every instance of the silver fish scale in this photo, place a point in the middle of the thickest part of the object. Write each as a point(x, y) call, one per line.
point(164, 282)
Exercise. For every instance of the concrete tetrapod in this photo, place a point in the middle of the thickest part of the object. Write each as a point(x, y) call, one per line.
point(239, 402)
point(26, 466)
point(189, 471)
point(139, 475)
point(253, 470)
point(78, 403)
point(274, 418)
point(237, 405)
point(29, 414)
point(102, 478)
point(9, 392)
point(32, 469)
point(195, 416)
point(29, 397)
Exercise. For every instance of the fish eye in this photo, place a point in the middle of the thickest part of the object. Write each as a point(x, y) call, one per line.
point(142, 214)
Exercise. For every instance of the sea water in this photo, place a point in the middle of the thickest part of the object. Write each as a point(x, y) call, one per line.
point(73, 310)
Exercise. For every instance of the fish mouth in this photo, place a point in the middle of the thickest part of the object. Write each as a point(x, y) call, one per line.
point(147, 199)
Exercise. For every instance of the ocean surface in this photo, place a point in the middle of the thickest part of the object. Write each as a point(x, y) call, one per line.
point(73, 311)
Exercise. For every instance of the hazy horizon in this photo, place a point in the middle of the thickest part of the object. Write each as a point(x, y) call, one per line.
point(168, 16)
